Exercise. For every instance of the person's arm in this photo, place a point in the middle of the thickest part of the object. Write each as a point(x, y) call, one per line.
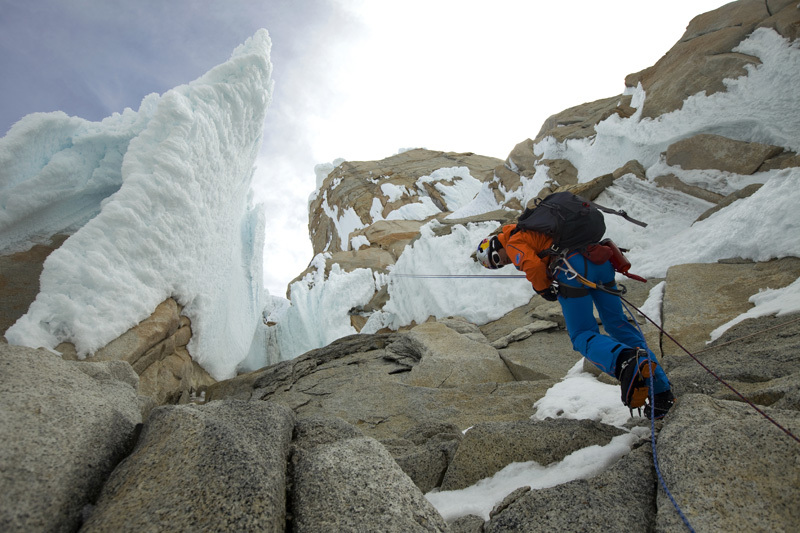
point(523, 252)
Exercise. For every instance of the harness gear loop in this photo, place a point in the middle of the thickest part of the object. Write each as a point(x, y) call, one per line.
point(568, 291)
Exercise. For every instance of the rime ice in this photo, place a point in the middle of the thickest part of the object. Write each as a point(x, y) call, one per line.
point(161, 200)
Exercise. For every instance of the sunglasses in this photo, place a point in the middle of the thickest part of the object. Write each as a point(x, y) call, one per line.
point(495, 258)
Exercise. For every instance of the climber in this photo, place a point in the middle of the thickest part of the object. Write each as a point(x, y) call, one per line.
point(620, 352)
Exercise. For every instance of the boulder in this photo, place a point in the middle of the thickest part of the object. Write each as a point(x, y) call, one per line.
point(374, 258)
point(354, 350)
point(134, 343)
point(524, 332)
point(174, 377)
point(671, 181)
point(633, 167)
point(64, 427)
point(390, 409)
point(391, 235)
point(353, 484)
point(550, 312)
point(215, 467)
point(759, 357)
point(705, 151)
point(503, 216)
point(546, 355)
point(489, 447)
point(156, 349)
point(521, 160)
point(578, 122)
point(561, 171)
point(320, 431)
point(505, 180)
point(514, 319)
point(467, 524)
point(463, 326)
point(592, 189)
point(786, 159)
point(360, 380)
point(702, 58)
point(729, 467)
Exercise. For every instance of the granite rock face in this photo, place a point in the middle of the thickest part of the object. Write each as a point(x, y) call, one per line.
point(64, 427)
point(220, 466)
point(353, 484)
point(704, 55)
point(392, 182)
point(711, 436)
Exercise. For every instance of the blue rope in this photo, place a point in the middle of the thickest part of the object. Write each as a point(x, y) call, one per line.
point(651, 386)
point(653, 446)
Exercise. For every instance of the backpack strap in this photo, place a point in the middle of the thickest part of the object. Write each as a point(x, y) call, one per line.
point(620, 213)
point(549, 252)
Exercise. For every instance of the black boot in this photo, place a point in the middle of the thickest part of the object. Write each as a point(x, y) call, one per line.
point(663, 402)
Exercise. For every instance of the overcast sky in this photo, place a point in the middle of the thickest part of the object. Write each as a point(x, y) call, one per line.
point(356, 79)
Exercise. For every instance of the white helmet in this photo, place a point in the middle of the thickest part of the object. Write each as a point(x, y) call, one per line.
point(487, 252)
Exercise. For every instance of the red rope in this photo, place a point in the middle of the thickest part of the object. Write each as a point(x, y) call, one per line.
point(751, 404)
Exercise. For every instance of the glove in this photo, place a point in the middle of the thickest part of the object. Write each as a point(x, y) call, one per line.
point(550, 294)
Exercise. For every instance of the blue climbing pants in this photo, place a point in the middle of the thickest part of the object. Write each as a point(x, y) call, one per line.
point(600, 349)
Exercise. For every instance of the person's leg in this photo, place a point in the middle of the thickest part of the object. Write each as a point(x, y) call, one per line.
point(616, 324)
point(620, 341)
point(584, 331)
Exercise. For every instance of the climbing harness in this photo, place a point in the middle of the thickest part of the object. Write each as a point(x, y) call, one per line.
point(562, 264)
point(605, 250)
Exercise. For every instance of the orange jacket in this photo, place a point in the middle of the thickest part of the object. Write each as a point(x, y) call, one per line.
point(522, 248)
